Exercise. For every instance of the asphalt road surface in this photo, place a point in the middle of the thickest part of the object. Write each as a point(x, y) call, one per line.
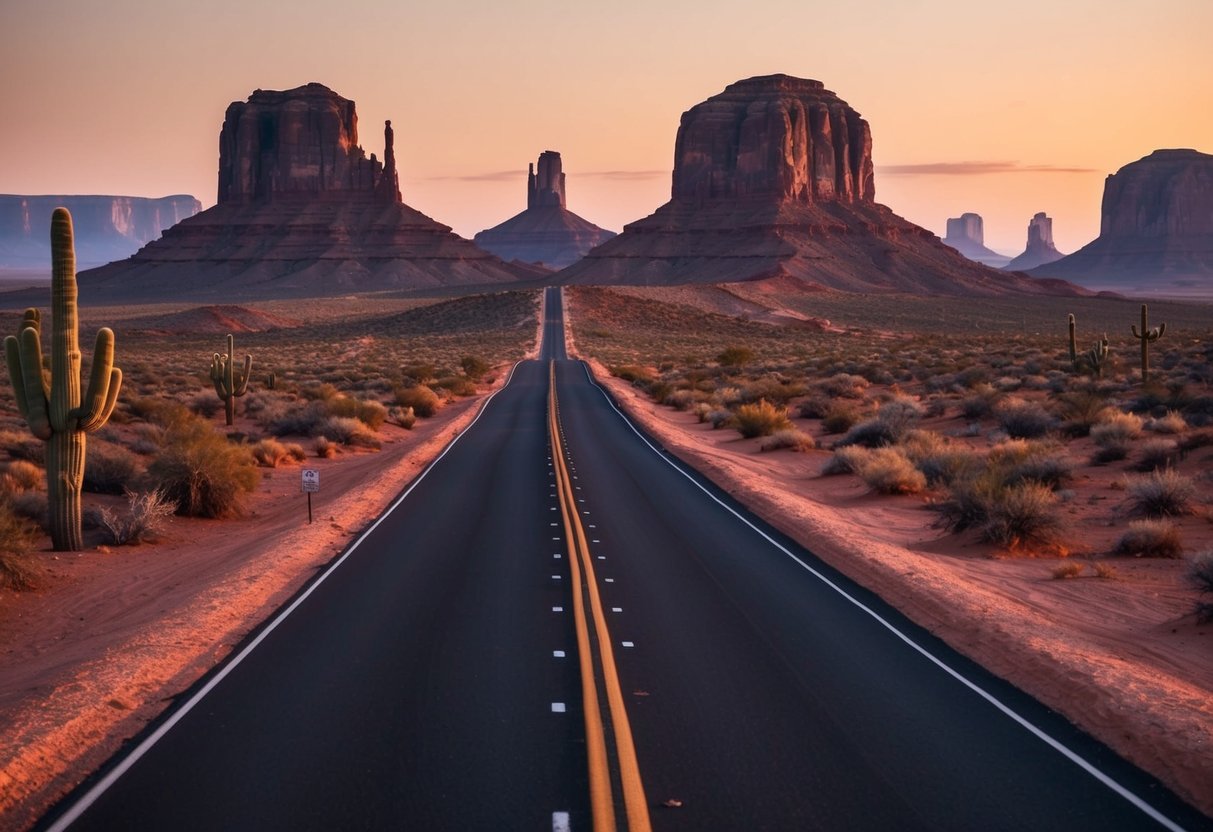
point(430, 679)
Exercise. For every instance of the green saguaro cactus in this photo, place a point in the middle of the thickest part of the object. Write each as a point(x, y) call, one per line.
point(1097, 356)
point(1073, 345)
point(53, 407)
point(229, 383)
point(1146, 336)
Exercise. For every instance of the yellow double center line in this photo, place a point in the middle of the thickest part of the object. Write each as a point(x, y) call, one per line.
point(601, 800)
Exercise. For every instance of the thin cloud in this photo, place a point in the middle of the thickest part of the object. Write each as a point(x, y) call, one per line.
point(490, 176)
point(974, 169)
point(623, 175)
point(514, 175)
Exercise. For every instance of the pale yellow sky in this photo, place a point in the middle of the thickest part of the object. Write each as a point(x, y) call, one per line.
point(1025, 108)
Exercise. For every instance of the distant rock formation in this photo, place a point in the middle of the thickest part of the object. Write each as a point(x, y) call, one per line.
point(107, 227)
point(1040, 248)
point(966, 234)
point(1156, 229)
point(773, 179)
point(547, 233)
point(302, 212)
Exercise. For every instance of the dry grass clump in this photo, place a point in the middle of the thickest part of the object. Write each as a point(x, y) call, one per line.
point(22, 475)
point(269, 453)
point(424, 401)
point(17, 535)
point(846, 460)
point(325, 449)
point(840, 417)
point(348, 431)
point(1069, 569)
point(1200, 576)
point(893, 420)
point(1024, 420)
point(402, 416)
point(201, 472)
point(1081, 410)
point(980, 403)
point(1116, 428)
point(1157, 453)
point(761, 419)
point(1022, 515)
point(1162, 493)
point(844, 386)
point(1150, 539)
point(789, 438)
point(109, 468)
point(888, 471)
point(370, 413)
point(1171, 422)
point(145, 517)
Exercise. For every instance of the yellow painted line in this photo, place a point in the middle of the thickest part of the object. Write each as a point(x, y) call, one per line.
point(635, 803)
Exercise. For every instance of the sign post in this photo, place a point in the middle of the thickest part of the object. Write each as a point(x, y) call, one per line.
point(311, 484)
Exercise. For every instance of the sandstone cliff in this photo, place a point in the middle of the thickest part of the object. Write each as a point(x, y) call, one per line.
point(107, 227)
point(1156, 230)
point(966, 234)
point(773, 179)
point(1040, 248)
point(302, 212)
point(547, 233)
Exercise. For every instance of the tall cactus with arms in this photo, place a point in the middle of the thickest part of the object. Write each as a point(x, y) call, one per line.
point(1146, 336)
point(54, 411)
point(229, 384)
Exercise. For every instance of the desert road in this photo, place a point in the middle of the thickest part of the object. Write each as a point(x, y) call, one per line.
point(599, 639)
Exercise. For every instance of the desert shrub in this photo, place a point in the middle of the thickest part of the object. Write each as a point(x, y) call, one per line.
point(319, 392)
point(325, 449)
point(761, 419)
point(846, 460)
point(403, 416)
point(1024, 420)
point(201, 472)
point(18, 571)
point(728, 395)
point(145, 517)
point(701, 411)
point(295, 452)
point(269, 453)
point(348, 431)
point(370, 413)
point(1069, 569)
point(680, 400)
point(163, 412)
point(109, 469)
point(1161, 493)
point(1156, 454)
point(455, 385)
point(845, 385)
point(900, 414)
point(980, 403)
point(870, 433)
point(1105, 570)
point(205, 404)
point(1047, 470)
point(947, 466)
point(424, 401)
point(23, 475)
point(1112, 452)
point(887, 471)
point(633, 373)
point(796, 440)
point(1170, 423)
point(1022, 515)
point(419, 372)
point(721, 418)
point(735, 356)
point(1151, 539)
point(1081, 410)
point(1200, 576)
point(774, 390)
point(814, 407)
point(474, 367)
point(1116, 427)
point(841, 417)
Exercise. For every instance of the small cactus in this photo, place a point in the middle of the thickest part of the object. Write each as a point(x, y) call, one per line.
point(1097, 356)
point(1073, 345)
point(1146, 336)
point(271, 381)
point(230, 384)
point(52, 407)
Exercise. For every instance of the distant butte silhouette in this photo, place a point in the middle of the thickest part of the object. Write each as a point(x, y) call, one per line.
point(773, 179)
point(1040, 248)
point(966, 234)
point(1156, 230)
point(301, 212)
point(547, 232)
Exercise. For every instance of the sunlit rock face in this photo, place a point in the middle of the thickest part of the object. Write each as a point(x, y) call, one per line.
point(966, 234)
point(106, 227)
point(773, 180)
point(1040, 248)
point(547, 233)
point(302, 211)
point(1156, 229)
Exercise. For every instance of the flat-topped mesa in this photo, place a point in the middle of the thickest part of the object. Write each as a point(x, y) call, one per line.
point(967, 227)
point(547, 186)
point(300, 142)
point(774, 136)
point(1040, 248)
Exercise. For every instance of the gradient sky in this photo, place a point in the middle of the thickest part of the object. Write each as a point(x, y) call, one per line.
point(1004, 112)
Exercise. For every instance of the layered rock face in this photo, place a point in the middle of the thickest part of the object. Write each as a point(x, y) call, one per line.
point(547, 233)
point(1040, 248)
point(1156, 229)
point(773, 180)
point(967, 235)
point(107, 227)
point(302, 212)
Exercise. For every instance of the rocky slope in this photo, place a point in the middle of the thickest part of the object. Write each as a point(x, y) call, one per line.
point(547, 233)
point(107, 227)
point(302, 212)
point(1156, 230)
point(773, 178)
point(966, 234)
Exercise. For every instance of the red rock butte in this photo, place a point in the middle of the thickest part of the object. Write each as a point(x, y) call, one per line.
point(1156, 230)
point(302, 212)
point(773, 180)
point(547, 233)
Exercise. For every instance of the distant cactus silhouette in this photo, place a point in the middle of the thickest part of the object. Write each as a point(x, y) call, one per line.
point(229, 384)
point(1146, 336)
point(53, 407)
point(1093, 359)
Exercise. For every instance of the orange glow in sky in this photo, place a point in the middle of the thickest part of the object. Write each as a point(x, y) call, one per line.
point(1003, 111)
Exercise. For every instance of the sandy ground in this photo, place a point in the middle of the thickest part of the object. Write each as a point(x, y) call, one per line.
point(1123, 658)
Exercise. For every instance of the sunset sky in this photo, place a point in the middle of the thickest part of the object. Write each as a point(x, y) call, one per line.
point(1004, 113)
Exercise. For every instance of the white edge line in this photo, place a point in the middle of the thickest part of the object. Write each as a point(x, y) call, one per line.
point(92, 795)
point(1039, 733)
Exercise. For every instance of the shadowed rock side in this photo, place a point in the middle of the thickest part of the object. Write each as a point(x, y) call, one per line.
point(547, 232)
point(302, 212)
point(966, 234)
point(774, 178)
point(1040, 248)
point(1156, 230)
point(107, 227)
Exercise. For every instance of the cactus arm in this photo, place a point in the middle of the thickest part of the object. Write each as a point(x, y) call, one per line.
point(111, 401)
point(1161, 329)
point(97, 392)
point(12, 356)
point(1134, 328)
point(1073, 343)
point(36, 394)
point(242, 382)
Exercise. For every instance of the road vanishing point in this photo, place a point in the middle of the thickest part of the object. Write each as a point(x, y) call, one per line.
point(559, 626)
